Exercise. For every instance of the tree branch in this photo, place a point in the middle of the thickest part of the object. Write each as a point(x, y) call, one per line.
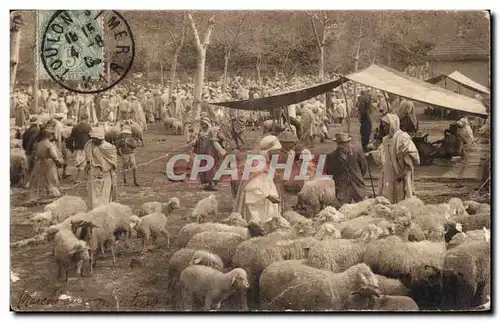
point(195, 31)
point(211, 26)
point(311, 19)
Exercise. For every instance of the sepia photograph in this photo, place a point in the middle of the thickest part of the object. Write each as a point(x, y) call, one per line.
point(250, 160)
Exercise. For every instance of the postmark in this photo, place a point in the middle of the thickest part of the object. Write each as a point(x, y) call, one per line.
point(87, 51)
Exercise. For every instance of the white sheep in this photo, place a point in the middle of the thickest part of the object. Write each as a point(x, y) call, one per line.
point(204, 207)
point(152, 225)
point(210, 286)
point(474, 235)
point(474, 208)
point(296, 286)
point(327, 231)
point(354, 210)
point(57, 211)
point(178, 127)
point(294, 218)
point(153, 207)
point(369, 300)
point(235, 219)
point(317, 194)
point(18, 167)
point(457, 207)
point(182, 259)
point(330, 214)
point(189, 230)
point(69, 250)
point(223, 244)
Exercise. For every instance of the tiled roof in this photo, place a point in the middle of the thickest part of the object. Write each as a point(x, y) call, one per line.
point(458, 49)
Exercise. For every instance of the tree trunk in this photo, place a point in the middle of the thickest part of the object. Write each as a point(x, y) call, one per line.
point(161, 72)
point(227, 54)
point(198, 88)
point(173, 71)
point(356, 62)
point(322, 63)
point(259, 78)
point(15, 41)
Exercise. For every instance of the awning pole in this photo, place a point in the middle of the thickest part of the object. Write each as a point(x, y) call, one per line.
point(347, 110)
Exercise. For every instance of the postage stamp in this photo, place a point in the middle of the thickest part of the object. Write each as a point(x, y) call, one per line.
point(87, 51)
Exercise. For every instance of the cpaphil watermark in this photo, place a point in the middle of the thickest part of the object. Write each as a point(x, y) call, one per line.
point(253, 163)
point(87, 51)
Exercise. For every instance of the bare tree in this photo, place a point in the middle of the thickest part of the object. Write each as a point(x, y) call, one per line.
point(327, 27)
point(15, 40)
point(178, 43)
point(201, 50)
point(228, 38)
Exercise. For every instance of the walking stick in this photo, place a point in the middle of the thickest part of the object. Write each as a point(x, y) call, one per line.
point(371, 178)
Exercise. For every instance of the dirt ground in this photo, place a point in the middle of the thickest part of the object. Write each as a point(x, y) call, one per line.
point(144, 288)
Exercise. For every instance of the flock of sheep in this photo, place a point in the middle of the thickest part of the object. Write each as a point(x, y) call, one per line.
point(371, 255)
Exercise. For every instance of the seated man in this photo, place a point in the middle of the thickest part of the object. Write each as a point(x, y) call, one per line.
point(451, 145)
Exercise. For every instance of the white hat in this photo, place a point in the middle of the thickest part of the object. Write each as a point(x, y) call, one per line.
point(97, 132)
point(270, 143)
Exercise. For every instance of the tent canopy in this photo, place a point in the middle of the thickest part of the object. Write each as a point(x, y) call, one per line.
point(376, 76)
point(462, 80)
point(282, 100)
point(393, 81)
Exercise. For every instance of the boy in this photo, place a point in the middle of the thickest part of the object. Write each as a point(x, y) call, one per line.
point(126, 147)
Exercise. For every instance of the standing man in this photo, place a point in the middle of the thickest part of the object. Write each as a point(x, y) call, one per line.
point(101, 165)
point(398, 156)
point(76, 142)
point(364, 110)
point(347, 166)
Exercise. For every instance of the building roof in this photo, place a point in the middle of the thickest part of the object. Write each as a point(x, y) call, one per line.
point(458, 49)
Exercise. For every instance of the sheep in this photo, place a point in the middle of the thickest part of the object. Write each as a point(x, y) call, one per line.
point(153, 207)
point(467, 275)
point(57, 211)
point(317, 194)
point(417, 264)
point(327, 231)
point(267, 125)
point(370, 300)
point(296, 286)
point(182, 259)
point(391, 286)
point(178, 126)
point(69, 250)
point(210, 285)
point(106, 220)
point(474, 235)
point(223, 244)
point(235, 219)
point(352, 211)
point(411, 203)
point(474, 208)
point(189, 230)
point(255, 254)
point(152, 225)
point(329, 214)
point(168, 122)
point(294, 217)
point(335, 255)
point(18, 167)
point(457, 207)
point(203, 208)
point(466, 223)
point(349, 229)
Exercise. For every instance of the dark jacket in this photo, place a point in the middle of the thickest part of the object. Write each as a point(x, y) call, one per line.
point(126, 145)
point(349, 172)
point(29, 138)
point(79, 136)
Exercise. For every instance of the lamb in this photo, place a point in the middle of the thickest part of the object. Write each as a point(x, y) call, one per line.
point(69, 250)
point(417, 264)
point(255, 254)
point(204, 207)
point(210, 285)
point(370, 300)
point(467, 275)
point(293, 285)
point(474, 208)
point(189, 230)
point(294, 217)
point(329, 214)
point(223, 244)
point(153, 207)
point(317, 194)
point(235, 219)
point(98, 227)
point(152, 225)
point(18, 167)
point(57, 211)
point(182, 259)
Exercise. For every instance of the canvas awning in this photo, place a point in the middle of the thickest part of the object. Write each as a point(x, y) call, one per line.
point(462, 80)
point(393, 81)
point(282, 100)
